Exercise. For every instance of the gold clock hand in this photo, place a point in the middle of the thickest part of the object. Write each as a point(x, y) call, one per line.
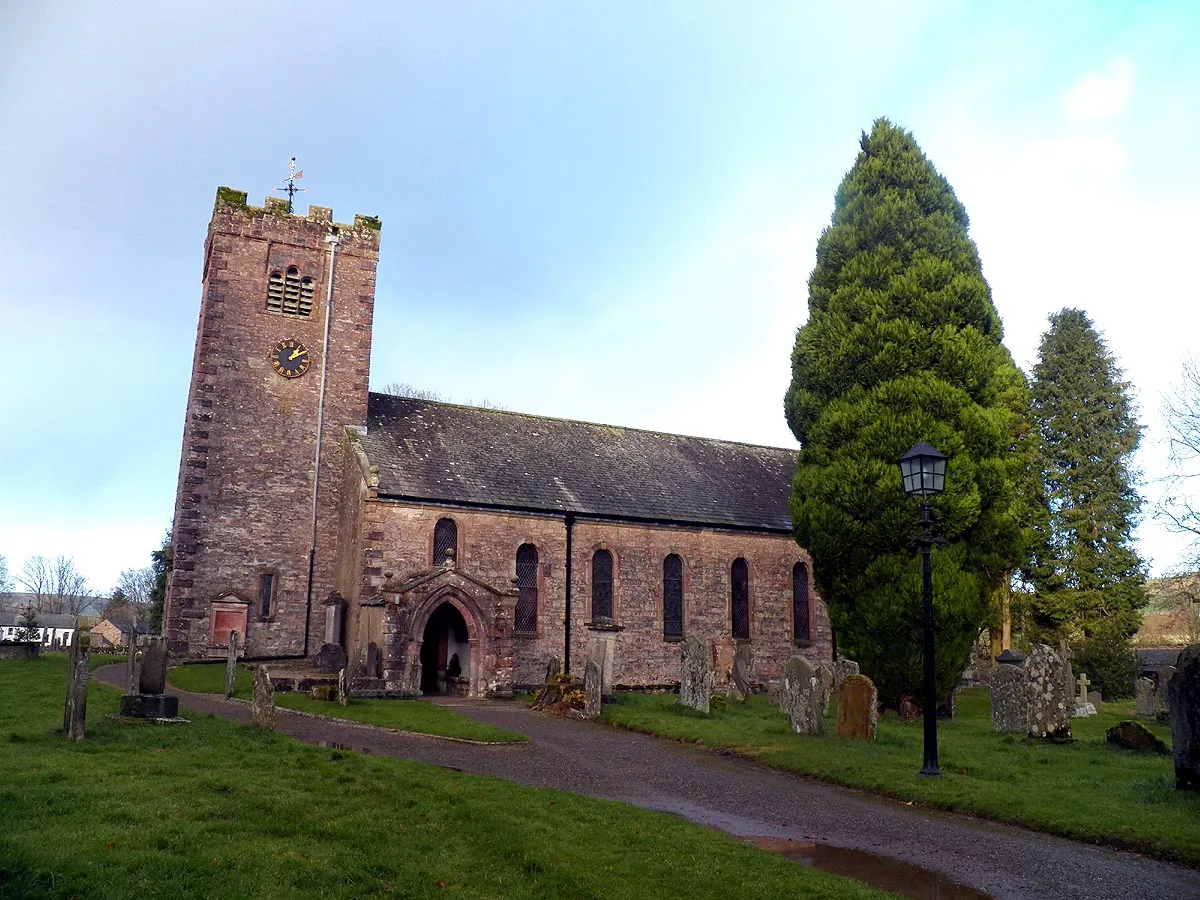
point(294, 354)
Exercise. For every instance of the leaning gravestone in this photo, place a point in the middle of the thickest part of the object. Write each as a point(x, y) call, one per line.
point(1145, 703)
point(593, 678)
point(739, 687)
point(695, 673)
point(1046, 690)
point(842, 670)
point(857, 703)
point(263, 703)
point(75, 709)
point(801, 697)
point(1010, 704)
point(1183, 699)
point(826, 677)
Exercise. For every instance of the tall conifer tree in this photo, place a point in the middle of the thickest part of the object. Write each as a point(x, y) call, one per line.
point(903, 344)
point(1087, 578)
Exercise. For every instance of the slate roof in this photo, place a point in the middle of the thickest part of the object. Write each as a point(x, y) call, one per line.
point(441, 452)
point(44, 620)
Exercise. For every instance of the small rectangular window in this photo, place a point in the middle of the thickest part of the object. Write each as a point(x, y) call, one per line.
point(265, 595)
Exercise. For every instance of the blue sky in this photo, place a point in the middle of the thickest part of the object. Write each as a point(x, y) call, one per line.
point(603, 211)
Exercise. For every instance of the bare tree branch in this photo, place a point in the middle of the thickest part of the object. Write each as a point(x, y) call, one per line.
point(57, 586)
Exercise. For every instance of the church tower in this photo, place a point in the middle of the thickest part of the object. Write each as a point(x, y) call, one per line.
point(281, 363)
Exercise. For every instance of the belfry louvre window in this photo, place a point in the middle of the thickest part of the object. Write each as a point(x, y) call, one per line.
point(527, 589)
point(290, 294)
point(445, 537)
point(739, 599)
point(801, 628)
point(602, 585)
point(673, 597)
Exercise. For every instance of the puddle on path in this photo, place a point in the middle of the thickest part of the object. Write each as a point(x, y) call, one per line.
point(877, 871)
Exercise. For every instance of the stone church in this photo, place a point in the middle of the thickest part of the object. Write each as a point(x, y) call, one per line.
point(437, 547)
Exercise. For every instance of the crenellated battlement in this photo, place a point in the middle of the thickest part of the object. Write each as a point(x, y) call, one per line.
point(366, 228)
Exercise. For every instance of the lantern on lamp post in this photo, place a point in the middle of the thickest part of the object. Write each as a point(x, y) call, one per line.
point(923, 470)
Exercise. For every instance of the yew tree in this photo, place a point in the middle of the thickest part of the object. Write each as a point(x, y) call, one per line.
point(903, 344)
point(1088, 579)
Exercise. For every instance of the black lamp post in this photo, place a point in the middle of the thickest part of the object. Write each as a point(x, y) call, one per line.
point(923, 470)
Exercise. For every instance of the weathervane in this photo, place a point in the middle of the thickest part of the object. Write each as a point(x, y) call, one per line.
point(289, 183)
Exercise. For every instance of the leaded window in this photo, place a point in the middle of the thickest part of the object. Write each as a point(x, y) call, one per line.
point(602, 585)
point(739, 599)
point(445, 538)
point(527, 589)
point(800, 605)
point(673, 597)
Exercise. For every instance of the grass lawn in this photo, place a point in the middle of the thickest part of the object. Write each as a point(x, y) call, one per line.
point(1085, 790)
point(402, 715)
point(216, 809)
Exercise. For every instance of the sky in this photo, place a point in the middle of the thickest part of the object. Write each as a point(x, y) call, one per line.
point(605, 212)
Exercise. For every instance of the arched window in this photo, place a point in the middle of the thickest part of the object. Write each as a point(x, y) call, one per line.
point(527, 589)
point(672, 597)
point(445, 537)
point(275, 292)
point(290, 294)
point(800, 621)
point(602, 585)
point(739, 599)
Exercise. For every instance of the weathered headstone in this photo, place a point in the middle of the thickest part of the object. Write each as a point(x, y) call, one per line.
point(1046, 689)
point(372, 669)
point(739, 687)
point(1133, 735)
point(553, 669)
point(1010, 704)
point(343, 688)
point(263, 702)
point(75, 710)
point(151, 700)
point(826, 677)
point(231, 664)
point(153, 677)
point(330, 658)
point(1145, 703)
point(1165, 674)
point(801, 697)
point(131, 666)
point(593, 678)
point(1183, 699)
point(1095, 699)
point(695, 673)
point(857, 708)
point(843, 669)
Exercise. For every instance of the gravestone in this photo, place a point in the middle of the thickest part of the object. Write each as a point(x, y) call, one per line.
point(695, 673)
point(75, 708)
point(231, 664)
point(826, 677)
point(842, 670)
point(343, 688)
point(553, 669)
point(739, 687)
point(131, 666)
point(263, 702)
point(151, 701)
point(1132, 735)
point(1046, 690)
point(1095, 699)
point(593, 678)
point(1083, 707)
point(1010, 704)
point(857, 703)
point(801, 697)
point(1145, 704)
point(1183, 700)
point(330, 658)
point(372, 669)
point(1165, 674)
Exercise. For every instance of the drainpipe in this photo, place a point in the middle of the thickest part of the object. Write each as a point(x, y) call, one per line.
point(332, 240)
point(570, 522)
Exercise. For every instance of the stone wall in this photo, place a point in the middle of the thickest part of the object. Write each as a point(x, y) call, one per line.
point(243, 505)
point(396, 541)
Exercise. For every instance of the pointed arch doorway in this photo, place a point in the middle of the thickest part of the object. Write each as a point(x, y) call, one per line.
point(445, 652)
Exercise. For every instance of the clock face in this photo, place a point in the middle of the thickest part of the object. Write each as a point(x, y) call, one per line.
point(290, 358)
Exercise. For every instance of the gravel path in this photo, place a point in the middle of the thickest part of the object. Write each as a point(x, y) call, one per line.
point(747, 799)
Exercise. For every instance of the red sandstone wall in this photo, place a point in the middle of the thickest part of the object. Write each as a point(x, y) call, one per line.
point(243, 505)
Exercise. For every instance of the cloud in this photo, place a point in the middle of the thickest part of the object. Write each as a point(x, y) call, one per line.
point(1098, 97)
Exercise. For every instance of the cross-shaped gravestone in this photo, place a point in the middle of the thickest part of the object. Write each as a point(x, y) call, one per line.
point(1083, 683)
